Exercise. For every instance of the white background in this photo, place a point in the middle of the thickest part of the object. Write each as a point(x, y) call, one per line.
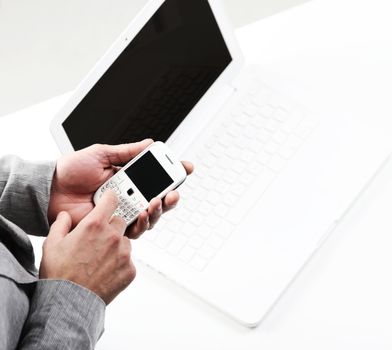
point(47, 46)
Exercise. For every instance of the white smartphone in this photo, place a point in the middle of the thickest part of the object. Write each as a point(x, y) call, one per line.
point(153, 173)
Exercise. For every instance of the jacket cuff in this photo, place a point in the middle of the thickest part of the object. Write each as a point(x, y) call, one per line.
point(65, 315)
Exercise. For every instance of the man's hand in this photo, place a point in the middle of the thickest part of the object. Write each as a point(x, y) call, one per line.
point(95, 255)
point(80, 174)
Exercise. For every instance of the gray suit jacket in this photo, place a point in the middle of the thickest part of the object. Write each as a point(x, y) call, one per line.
point(37, 314)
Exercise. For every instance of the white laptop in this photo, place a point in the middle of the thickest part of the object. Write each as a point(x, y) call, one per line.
point(271, 179)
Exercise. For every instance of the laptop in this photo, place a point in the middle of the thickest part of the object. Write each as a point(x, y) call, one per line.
point(271, 179)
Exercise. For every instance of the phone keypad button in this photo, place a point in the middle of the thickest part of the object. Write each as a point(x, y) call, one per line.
point(128, 207)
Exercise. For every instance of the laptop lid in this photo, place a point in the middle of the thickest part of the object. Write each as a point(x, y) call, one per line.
point(165, 68)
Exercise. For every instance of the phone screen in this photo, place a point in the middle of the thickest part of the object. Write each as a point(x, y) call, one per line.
point(149, 176)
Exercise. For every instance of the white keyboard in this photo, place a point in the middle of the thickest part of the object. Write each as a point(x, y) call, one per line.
point(239, 161)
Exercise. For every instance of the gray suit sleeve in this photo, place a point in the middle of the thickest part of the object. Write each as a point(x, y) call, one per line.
point(24, 193)
point(63, 315)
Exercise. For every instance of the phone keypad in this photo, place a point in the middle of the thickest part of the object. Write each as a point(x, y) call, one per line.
point(128, 208)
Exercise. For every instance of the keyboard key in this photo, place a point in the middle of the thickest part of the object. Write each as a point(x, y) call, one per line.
point(174, 225)
point(214, 198)
point(238, 189)
point(207, 252)
point(209, 161)
point(225, 140)
point(163, 239)
point(255, 168)
point(213, 220)
point(205, 231)
point(281, 115)
point(216, 172)
point(250, 132)
point(195, 242)
point(272, 125)
point(205, 208)
point(196, 219)
point(263, 136)
point(240, 166)
point(176, 245)
point(261, 97)
point(216, 241)
point(247, 155)
point(183, 214)
point(188, 229)
point(230, 199)
point(207, 184)
point(255, 145)
point(263, 157)
point(221, 210)
point(246, 178)
point(222, 187)
point(233, 152)
point(199, 263)
point(267, 111)
point(271, 148)
point(250, 109)
point(186, 254)
point(280, 137)
point(230, 176)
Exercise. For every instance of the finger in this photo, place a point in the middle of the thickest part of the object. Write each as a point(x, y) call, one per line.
point(118, 224)
point(170, 201)
point(154, 211)
point(105, 207)
point(116, 169)
point(60, 228)
point(189, 167)
point(122, 154)
point(139, 227)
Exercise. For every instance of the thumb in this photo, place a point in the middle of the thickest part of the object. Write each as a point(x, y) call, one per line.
point(60, 228)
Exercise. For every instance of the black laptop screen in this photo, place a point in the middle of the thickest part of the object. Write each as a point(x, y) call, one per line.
point(156, 81)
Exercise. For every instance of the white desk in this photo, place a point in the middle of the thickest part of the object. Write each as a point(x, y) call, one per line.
point(342, 300)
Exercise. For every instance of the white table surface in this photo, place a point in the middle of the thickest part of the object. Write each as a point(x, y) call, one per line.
point(334, 63)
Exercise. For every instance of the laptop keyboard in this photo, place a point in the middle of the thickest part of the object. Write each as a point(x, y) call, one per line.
point(239, 161)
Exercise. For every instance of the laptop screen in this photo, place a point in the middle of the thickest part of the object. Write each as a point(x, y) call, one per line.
point(156, 81)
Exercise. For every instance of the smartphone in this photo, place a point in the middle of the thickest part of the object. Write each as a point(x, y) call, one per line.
point(153, 173)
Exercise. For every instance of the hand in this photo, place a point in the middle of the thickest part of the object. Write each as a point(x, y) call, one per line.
point(95, 255)
point(79, 174)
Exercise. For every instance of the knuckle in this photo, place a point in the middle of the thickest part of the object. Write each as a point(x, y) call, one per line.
point(130, 274)
point(95, 224)
point(97, 147)
point(118, 221)
point(114, 239)
point(125, 254)
point(125, 257)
